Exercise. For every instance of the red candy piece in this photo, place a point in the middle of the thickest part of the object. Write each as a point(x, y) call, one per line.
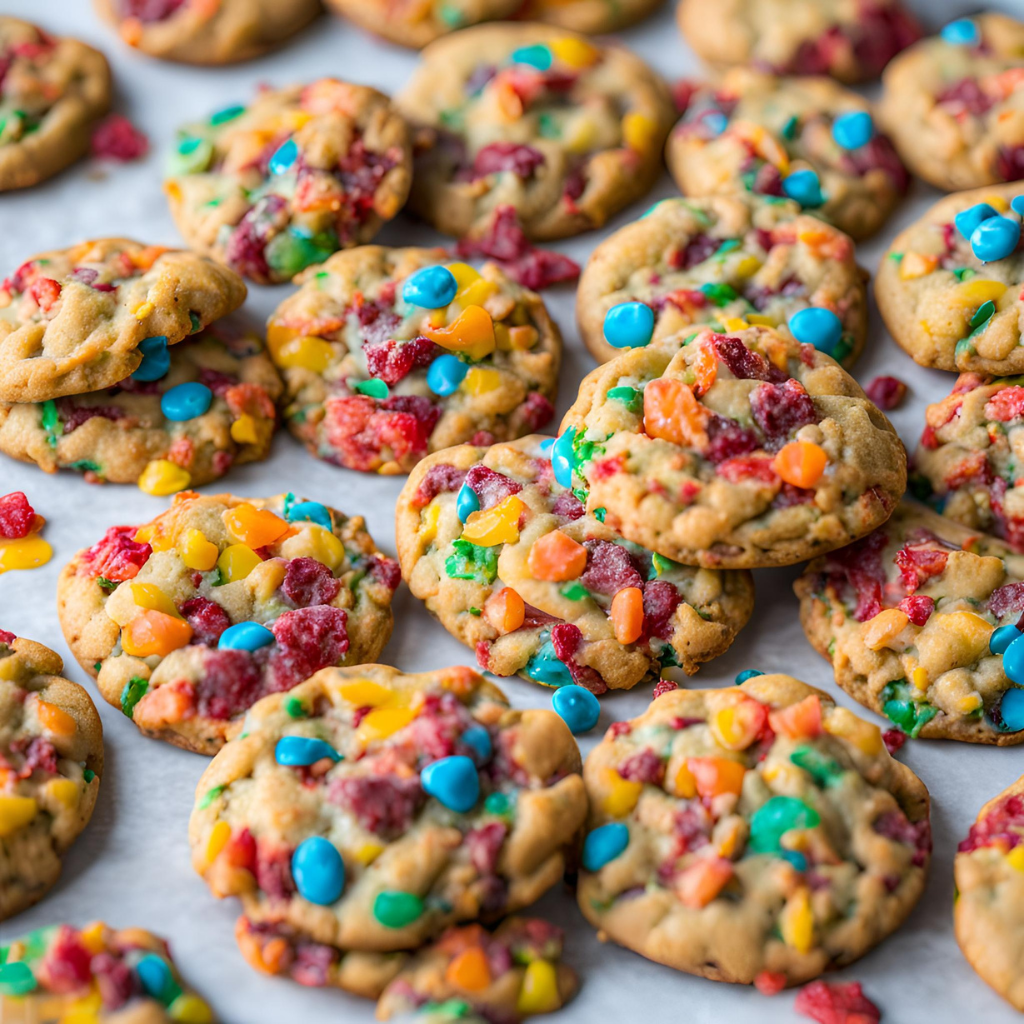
point(490, 487)
point(207, 619)
point(308, 639)
point(438, 480)
point(230, 683)
point(1004, 825)
point(780, 409)
point(894, 740)
point(117, 556)
point(836, 1003)
point(16, 516)
point(917, 608)
point(392, 361)
point(116, 138)
point(507, 156)
point(660, 602)
point(610, 568)
point(887, 392)
point(383, 804)
point(918, 565)
point(44, 291)
point(643, 766)
point(743, 363)
point(309, 582)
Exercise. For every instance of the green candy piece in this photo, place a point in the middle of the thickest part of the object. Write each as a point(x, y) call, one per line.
point(88, 775)
point(395, 909)
point(661, 565)
point(374, 388)
point(288, 253)
point(209, 796)
point(775, 818)
point(575, 592)
point(600, 513)
point(719, 294)
point(472, 562)
point(17, 979)
point(632, 399)
point(728, 246)
point(227, 114)
point(909, 715)
point(50, 422)
point(823, 769)
point(790, 127)
point(192, 155)
point(294, 708)
point(548, 127)
point(983, 313)
point(104, 584)
point(498, 804)
point(134, 690)
point(85, 466)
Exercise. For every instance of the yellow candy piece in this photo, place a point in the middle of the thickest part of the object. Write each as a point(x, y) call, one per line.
point(85, 1010)
point(686, 784)
point(236, 562)
point(497, 525)
point(638, 131)
point(15, 813)
point(880, 631)
point(26, 553)
point(464, 275)
point(622, 794)
point(196, 551)
point(364, 693)
point(579, 134)
point(734, 323)
point(188, 1008)
point(383, 722)
point(997, 203)
point(94, 937)
point(747, 267)
point(143, 310)
point(429, 518)
point(974, 292)
point(162, 477)
point(539, 992)
point(1015, 858)
point(573, 52)
point(305, 353)
point(368, 853)
point(760, 319)
point(971, 633)
point(970, 703)
point(796, 922)
point(472, 332)
point(523, 338)
point(243, 430)
point(480, 379)
point(219, 836)
point(919, 678)
point(324, 546)
point(865, 736)
point(149, 595)
point(64, 791)
point(915, 265)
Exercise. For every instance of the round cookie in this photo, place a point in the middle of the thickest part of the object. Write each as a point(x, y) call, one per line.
point(51, 760)
point(849, 41)
point(908, 616)
point(120, 977)
point(430, 803)
point(734, 451)
point(944, 305)
point(374, 380)
point(274, 187)
point(589, 17)
point(536, 586)
point(753, 834)
point(954, 103)
point(198, 32)
point(123, 435)
point(83, 318)
point(52, 92)
point(526, 116)
point(752, 132)
point(724, 258)
point(414, 23)
point(189, 620)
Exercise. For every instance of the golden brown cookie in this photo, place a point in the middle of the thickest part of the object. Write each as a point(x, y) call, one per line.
point(415, 23)
point(590, 17)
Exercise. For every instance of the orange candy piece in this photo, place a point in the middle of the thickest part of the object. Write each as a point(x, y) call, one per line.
point(628, 614)
point(799, 721)
point(154, 632)
point(672, 413)
point(714, 776)
point(704, 368)
point(54, 719)
point(505, 610)
point(556, 557)
point(738, 725)
point(256, 528)
point(469, 971)
point(163, 706)
point(471, 331)
point(702, 881)
point(800, 463)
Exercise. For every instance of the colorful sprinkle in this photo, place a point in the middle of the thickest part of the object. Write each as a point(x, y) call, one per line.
point(853, 130)
point(995, 238)
point(629, 325)
point(301, 751)
point(453, 781)
point(604, 844)
point(577, 707)
point(805, 187)
point(395, 909)
point(186, 401)
point(156, 360)
point(445, 374)
point(245, 636)
point(430, 287)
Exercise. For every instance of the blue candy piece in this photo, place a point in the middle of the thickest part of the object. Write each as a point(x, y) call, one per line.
point(1013, 661)
point(545, 668)
point(797, 859)
point(563, 459)
point(1011, 710)
point(577, 707)
point(967, 221)
point(962, 32)
point(804, 187)
point(445, 374)
point(155, 975)
point(186, 402)
point(245, 636)
point(310, 512)
point(995, 238)
point(319, 871)
point(546, 445)
point(452, 781)
point(604, 844)
point(1017, 205)
point(466, 502)
point(477, 737)
point(1002, 637)
point(537, 56)
point(715, 122)
point(284, 158)
point(819, 327)
point(156, 360)
point(298, 751)
point(853, 130)
point(629, 325)
point(747, 673)
point(431, 287)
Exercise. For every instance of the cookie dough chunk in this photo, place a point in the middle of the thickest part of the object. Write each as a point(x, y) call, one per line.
point(51, 759)
point(414, 23)
point(794, 137)
point(369, 810)
point(563, 131)
point(910, 617)
point(214, 409)
point(731, 451)
point(849, 41)
point(590, 17)
point(83, 318)
point(508, 560)
point(954, 103)
point(945, 305)
point(199, 32)
point(96, 974)
point(189, 620)
point(52, 92)
point(755, 834)
point(274, 187)
point(723, 258)
point(376, 379)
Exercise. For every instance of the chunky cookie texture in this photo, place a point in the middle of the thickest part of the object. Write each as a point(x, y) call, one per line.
point(724, 258)
point(375, 379)
point(954, 103)
point(753, 132)
point(271, 188)
point(368, 811)
point(589, 17)
point(731, 450)
point(528, 117)
point(417, 24)
point(910, 618)
point(512, 565)
point(753, 834)
point(189, 620)
point(80, 319)
point(51, 760)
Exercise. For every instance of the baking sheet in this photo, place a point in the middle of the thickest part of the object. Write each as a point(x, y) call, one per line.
point(132, 865)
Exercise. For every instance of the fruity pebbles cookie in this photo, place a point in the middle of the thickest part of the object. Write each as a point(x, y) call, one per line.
point(388, 354)
point(806, 138)
point(755, 834)
point(214, 408)
point(738, 450)
point(723, 258)
point(590, 17)
point(187, 621)
point(367, 811)
point(563, 131)
point(86, 317)
point(52, 92)
point(301, 172)
point(954, 103)
point(910, 617)
point(949, 286)
point(51, 759)
point(508, 560)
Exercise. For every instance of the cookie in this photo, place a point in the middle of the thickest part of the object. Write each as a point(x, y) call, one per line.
point(189, 620)
point(806, 138)
point(51, 760)
point(97, 974)
point(753, 834)
point(954, 103)
point(724, 258)
point(388, 354)
point(214, 409)
point(417, 24)
point(910, 618)
point(506, 558)
point(849, 41)
point(52, 93)
point(370, 810)
point(84, 318)
point(198, 32)
point(953, 303)
point(274, 187)
point(589, 17)
point(528, 117)
point(731, 451)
